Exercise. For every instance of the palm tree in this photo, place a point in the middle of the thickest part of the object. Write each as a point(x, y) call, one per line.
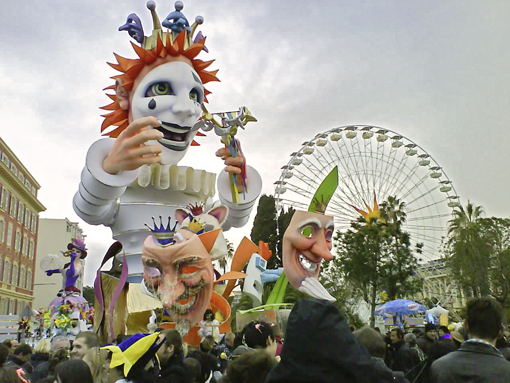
point(230, 254)
point(463, 219)
point(467, 251)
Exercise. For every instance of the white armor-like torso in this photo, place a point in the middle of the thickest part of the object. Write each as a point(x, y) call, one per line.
point(127, 201)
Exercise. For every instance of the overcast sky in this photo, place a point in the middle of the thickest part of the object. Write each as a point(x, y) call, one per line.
point(434, 71)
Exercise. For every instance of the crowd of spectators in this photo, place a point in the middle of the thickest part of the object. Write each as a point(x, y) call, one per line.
point(318, 346)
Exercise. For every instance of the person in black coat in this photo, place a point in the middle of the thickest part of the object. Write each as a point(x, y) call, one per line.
point(402, 357)
point(320, 347)
point(170, 357)
point(477, 359)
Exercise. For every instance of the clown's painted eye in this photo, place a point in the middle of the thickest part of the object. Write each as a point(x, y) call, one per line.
point(151, 268)
point(189, 269)
point(194, 95)
point(152, 272)
point(307, 231)
point(160, 89)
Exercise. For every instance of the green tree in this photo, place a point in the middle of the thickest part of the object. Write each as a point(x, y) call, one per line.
point(467, 251)
point(265, 227)
point(376, 255)
point(496, 231)
point(478, 253)
point(269, 228)
point(230, 254)
point(347, 295)
point(89, 294)
point(283, 222)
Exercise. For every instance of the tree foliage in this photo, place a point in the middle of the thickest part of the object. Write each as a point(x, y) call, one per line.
point(223, 262)
point(376, 255)
point(477, 251)
point(347, 295)
point(267, 227)
point(264, 225)
point(89, 294)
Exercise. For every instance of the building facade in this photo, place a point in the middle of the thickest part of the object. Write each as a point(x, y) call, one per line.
point(439, 285)
point(54, 235)
point(19, 223)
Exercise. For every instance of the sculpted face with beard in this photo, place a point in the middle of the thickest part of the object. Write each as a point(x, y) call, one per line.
point(180, 275)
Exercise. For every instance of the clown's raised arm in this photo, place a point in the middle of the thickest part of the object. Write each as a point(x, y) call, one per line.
point(133, 175)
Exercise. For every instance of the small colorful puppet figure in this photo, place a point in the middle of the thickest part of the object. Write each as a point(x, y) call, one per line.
point(153, 119)
point(72, 271)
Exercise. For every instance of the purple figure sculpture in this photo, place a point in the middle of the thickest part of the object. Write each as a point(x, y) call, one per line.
point(72, 270)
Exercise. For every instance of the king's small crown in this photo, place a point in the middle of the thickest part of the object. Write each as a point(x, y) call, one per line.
point(320, 204)
point(196, 209)
point(175, 23)
point(163, 235)
point(195, 226)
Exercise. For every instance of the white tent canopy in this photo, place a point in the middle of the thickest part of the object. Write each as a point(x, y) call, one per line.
point(437, 311)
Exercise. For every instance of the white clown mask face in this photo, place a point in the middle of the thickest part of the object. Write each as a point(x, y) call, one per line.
point(173, 93)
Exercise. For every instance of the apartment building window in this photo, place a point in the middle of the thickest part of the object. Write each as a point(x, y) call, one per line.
point(29, 279)
point(17, 241)
point(22, 278)
point(14, 276)
point(21, 212)
point(21, 177)
point(9, 235)
point(5, 199)
point(13, 207)
point(14, 169)
point(33, 190)
point(34, 223)
point(5, 159)
point(7, 271)
point(27, 184)
point(28, 218)
point(31, 249)
point(24, 249)
point(2, 232)
point(1, 267)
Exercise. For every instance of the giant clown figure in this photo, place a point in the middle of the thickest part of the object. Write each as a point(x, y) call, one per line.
point(133, 175)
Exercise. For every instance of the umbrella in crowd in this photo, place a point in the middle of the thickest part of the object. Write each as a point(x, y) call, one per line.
point(400, 307)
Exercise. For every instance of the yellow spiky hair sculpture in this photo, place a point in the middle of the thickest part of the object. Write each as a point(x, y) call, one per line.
point(176, 41)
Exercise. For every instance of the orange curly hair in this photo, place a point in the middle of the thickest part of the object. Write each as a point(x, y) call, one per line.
point(131, 68)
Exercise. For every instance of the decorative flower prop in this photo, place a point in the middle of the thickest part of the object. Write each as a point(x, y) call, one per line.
point(66, 308)
point(23, 324)
point(63, 322)
point(44, 318)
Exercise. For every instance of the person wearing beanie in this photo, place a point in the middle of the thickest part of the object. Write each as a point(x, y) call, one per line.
point(134, 360)
point(426, 341)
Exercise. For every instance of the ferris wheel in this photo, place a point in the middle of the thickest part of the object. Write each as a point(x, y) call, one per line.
point(372, 161)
